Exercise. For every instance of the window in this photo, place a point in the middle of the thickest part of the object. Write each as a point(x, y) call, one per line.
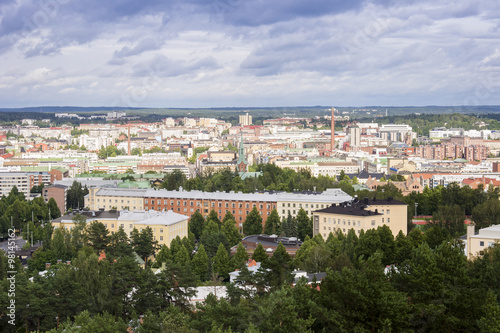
point(247, 206)
point(373, 222)
point(161, 238)
point(112, 225)
point(227, 204)
point(152, 202)
point(171, 202)
point(220, 204)
point(382, 220)
point(178, 203)
point(233, 205)
point(130, 226)
point(388, 212)
point(481, 243)
point(191, 203)
point(388, 219)
point(261, 206)
point(185, 203)
point(161, 230)
point(283, 211)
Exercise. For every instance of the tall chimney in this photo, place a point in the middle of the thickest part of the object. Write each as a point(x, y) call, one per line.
point(333, 131)
point(129, 150)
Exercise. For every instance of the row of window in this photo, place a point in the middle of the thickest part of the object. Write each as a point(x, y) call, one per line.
point(198, 204)
point(293, 205)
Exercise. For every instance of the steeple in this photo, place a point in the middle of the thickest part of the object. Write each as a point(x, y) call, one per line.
point(242, 161)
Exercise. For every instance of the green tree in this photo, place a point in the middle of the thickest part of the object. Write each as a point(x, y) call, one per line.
point(289, 226)
point(144, 243)
point(220, 262)
point(174, 180)
point(231, 231)
point(213, 217)
point(277, 313)
point(253, 223)
point(199, 264)
point(119, 245)
point(240, 257)
point(54, 209)
point(228, 216)
point(182, 256)
point(98, 236)
point(450, 217)
point(260, 255)
point(304, 224)
point(272, 223)
point(196, 224)
point(280, 267)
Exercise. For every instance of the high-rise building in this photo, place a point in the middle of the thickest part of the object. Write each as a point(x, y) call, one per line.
point(245, 120)
point(354, 137)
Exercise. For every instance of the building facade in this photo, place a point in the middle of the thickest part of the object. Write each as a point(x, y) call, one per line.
point(361, 215)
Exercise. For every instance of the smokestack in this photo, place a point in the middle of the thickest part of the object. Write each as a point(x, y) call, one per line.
point(333, 131)
point(129, 150)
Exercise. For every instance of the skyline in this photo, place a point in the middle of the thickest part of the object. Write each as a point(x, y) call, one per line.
point(234, 53)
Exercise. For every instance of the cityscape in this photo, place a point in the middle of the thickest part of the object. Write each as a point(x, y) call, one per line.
point(231, 166)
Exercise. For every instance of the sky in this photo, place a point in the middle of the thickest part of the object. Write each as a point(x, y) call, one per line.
point(249, 53)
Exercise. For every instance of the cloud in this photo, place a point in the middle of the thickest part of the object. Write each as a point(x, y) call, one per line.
point(247, 51)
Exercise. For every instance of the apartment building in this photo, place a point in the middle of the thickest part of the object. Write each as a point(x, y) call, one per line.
point(477, 243)
point(187, 202)
point(361, 215)
point(165, 225)
point(115, 198)
point(24, 181)
point(58, 192)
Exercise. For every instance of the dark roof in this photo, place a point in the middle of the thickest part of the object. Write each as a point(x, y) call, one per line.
point(359, 207)
point(273, 240)
point(347, 210)
point(90, 214)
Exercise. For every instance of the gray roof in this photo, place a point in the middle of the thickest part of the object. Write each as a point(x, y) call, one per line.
point(152, 217)
point(121, 192)
point(140, 217)
point(333, 195)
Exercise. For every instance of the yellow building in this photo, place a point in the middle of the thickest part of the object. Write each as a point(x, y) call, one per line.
point(477, 243)
point(361, 215)
point(165, 225)
point(115, 198)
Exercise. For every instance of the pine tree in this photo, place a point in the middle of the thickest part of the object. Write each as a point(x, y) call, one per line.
point(164, 255)
point(272, 223)
point(279, 267)
point(239, 258)
point(253, 223)
point(214, 217)
point(221, 262)
point(304, 224)
point(98, 236)
point(228, 216)
point(182, 256)
point(260, 255)
point(199, 264)
point(231, 232)
point(119, 245)
point(196, 224)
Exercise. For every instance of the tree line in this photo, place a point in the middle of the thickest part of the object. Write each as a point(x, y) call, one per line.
point(373, 282)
